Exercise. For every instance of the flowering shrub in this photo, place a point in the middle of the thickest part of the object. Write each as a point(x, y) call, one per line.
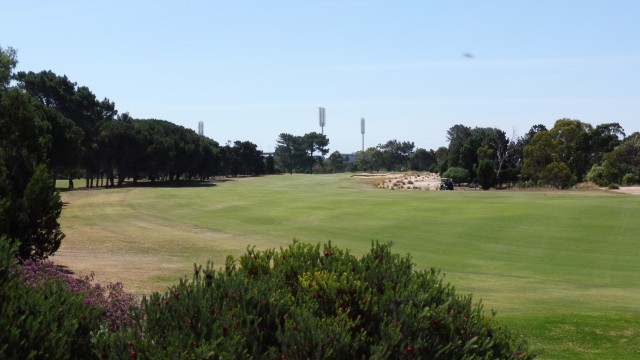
point(44, 322)
point(112, 299)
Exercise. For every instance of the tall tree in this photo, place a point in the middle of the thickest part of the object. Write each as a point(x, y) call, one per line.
point(604, 139)
point(336, 162)
point(623, 160)
point(369, 160)
point(287, 154)
point(40, 233)
point(8, 62)
point(29, 203)
point(550, 153)
point(456, 135)
point(442, 155)
point(78, 104)
point(313, 143)
point(395, 154)
point(539, 153)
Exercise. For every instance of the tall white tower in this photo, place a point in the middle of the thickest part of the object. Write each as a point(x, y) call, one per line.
point(200, 128)
point(322, 120)
point(362, 131)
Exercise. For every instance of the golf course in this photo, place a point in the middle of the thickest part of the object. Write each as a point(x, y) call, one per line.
point(560, 268)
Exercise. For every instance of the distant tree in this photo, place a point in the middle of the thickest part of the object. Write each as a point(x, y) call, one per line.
point(249, 158)
point(456, 135)
point(532, 132)
point(568, 143)
point(484, 171)
point(485, 174)
point(422, 160)
point(314, 143)
point(336, 162)
point(557, 174)
point(210, 163)
point(442, 155)
point(288, 152)
point(395, 154)
point(8, 62)
point(573, 148)
point(76, 103)
point(300, 153)
point(540, 151)
point(623, 160)
point(604, 139)
point(65, 152)
point(270, 167)
point(369, 159)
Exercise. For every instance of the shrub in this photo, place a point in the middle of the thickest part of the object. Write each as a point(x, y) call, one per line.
point(305, 301)
point(557, 174)
point(112, 300)
point(598, 175)
point(485, 174)
point(46, 313)
point(629, 179)
point(44, 322)
point(458, 175)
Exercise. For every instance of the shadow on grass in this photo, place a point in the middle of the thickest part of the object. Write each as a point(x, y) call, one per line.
point(153, 184)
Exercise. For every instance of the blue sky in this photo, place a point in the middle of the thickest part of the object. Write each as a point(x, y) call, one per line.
point(251, 70)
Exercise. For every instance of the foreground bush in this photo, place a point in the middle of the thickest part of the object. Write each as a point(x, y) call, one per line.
point(302, 302)
point(45, 313)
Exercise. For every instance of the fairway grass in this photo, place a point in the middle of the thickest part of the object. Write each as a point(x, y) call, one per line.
point(562, 268)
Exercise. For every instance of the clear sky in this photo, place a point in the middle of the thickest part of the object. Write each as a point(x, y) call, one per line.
point(251, 70)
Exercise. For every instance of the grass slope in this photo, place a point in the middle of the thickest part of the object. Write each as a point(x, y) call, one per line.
point(560, 267)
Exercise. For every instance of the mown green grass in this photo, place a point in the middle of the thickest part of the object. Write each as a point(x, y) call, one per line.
point(562, 268)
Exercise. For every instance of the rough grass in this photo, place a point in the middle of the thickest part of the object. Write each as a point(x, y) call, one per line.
point(560, 267)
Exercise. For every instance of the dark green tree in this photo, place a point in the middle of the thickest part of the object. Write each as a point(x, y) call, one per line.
point(8, 62)
point(484, 170)
point(485, 174)
point(557, 174)
point(369, 160)
point(270, 165)
point(395, 154)
point(623, 160)
point(40, 234)
point(315, 149)
point(300, 153)
point(30, 205)
point(248, 159)
point(336, 162)
point(456, 135)
point(604, 139)
point(288, 152)
point(538, 153)
point(422, 160)
point(442, 155)
point(76, 103)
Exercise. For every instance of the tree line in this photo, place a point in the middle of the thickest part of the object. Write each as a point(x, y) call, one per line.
point(88, 138)
point(571, 152)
